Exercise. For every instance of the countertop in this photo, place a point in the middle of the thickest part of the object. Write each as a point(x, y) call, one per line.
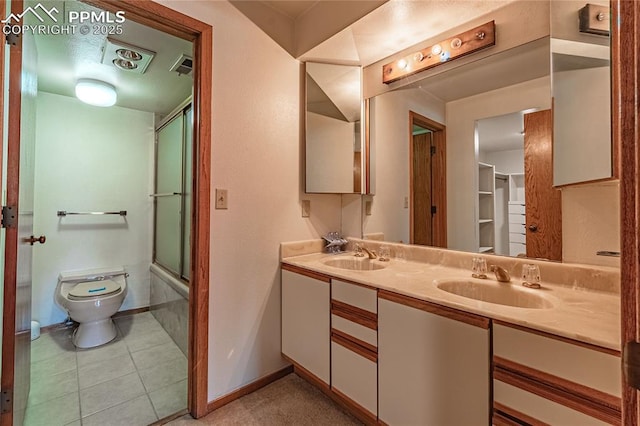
point(581, 314)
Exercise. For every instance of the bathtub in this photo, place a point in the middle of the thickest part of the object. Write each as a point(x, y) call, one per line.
point(170, 305)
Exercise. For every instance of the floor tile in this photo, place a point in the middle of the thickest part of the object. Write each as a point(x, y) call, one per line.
point(76, 423)
point(59, 411)
point(105, 370)
point(50, 345)
point(136, 324)
point(170, 399)
point(147, 358)
point(139, 341)
point(88, 357)
point(164, 374)
point(108, 394)
point(45, 388)
point(49, 367)
point(137, 412)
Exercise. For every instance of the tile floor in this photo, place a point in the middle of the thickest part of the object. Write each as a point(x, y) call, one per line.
point(288, 401)
point(135, 380)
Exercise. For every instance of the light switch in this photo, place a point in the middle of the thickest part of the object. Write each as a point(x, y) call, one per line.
point(306, 208)
point(221, 198)
point(406, 202)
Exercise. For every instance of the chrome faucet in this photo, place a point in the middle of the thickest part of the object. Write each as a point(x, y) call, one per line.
point(372, 254)
point(501, 274)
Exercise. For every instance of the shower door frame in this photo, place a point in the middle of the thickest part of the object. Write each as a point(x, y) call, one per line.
point(172, 22)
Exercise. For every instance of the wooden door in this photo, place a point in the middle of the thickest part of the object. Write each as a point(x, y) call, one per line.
point(543, 204)
point(421, 194)
point(20, 151)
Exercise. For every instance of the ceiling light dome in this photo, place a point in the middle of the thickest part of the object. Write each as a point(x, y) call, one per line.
point(96, 92)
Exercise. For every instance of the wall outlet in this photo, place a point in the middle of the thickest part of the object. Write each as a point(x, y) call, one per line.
point(221, 199)
point(306, 208)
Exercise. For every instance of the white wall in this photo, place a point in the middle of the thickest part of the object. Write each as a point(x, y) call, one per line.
point(461, 151)
point(257, 157)
point(591, 222)
point(100, 162)
point(390, 140)
point(508, 161)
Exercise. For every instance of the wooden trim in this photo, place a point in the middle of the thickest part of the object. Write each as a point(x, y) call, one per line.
point(590, 394)
point(11, 240)
point(247, 389)
point(382, 423)
point(306, 272)
point(309, 376)
point(354, 408)
point(508, 416)
point(355, 314)
point(588, 407)
point(444, 311)
point(174, 416)
point(625, 66)
point(590, 346)
point(354, 344)
point(130, 312)
point(586, 182)
point(170, 21)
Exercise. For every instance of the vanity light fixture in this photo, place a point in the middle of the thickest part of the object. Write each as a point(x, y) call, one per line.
point(454, 47)
point(96, 92)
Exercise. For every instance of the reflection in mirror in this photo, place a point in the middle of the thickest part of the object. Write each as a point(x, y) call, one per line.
point(333, 136)
point(581, 92)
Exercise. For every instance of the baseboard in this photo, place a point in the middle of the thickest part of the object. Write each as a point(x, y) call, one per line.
point(174, 416)
point(247, 389)
point(129, 312)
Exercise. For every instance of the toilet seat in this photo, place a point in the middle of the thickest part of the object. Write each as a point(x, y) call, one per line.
point(93, 289)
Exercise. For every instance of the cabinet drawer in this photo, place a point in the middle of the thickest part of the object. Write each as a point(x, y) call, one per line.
point(355, 377)
point(516, 209)
point(354, 329)
point(588, 367)
point(517, 238)
point(517, 218)
point(538, 407)
point(355, 295)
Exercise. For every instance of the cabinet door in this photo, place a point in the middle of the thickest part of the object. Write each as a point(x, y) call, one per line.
point(305, 322)
point(432, 370)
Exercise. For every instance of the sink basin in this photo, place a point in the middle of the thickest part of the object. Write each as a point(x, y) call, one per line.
point(355, 264)
point(500, 294)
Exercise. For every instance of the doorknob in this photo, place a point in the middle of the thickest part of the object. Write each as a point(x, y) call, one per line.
point(32, 240)
point(533, 228)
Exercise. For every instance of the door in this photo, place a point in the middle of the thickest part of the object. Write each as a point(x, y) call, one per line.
point(19, 149)
point(421, 184)
point(543, 214)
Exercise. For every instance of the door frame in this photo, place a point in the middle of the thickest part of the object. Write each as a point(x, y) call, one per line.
point(626, 133)
point(438, 178)
point(164, 19)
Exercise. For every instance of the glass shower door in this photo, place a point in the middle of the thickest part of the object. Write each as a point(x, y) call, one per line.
point(168, 217)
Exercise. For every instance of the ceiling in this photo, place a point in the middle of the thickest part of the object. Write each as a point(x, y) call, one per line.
point(501, 133)
point(63, 59)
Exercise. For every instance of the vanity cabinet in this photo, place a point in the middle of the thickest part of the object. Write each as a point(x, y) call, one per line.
point(354, 347)
point(433, 364)
point(305, 320)
point(539, 377)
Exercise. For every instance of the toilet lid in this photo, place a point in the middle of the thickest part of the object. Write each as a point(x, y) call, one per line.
point(94, 288)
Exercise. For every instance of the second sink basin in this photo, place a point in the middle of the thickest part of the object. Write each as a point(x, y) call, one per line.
point(498, 293)
point(355, 264)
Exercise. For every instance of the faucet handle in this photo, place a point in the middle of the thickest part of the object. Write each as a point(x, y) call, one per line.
point(358, 251)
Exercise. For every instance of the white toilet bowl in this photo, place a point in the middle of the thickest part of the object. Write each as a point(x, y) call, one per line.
point(91, 297)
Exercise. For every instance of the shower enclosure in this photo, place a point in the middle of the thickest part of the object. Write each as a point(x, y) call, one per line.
point(169, 278)
point(172, 207)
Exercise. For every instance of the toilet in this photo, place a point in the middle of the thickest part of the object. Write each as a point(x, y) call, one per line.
point(91, 297)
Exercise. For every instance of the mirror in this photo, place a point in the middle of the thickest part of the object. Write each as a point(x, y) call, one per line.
point(332, 129)
point(465, 99)
point(581, 92)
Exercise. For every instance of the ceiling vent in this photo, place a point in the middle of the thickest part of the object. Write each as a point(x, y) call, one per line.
point(183, 66)
point(126, 57)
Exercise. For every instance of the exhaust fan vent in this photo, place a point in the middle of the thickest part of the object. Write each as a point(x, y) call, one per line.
point(184, 65)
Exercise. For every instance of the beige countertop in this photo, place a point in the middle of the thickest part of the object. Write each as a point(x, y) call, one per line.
point(577, 313)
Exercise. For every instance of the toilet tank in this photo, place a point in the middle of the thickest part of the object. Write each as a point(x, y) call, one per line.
point(89, 273)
